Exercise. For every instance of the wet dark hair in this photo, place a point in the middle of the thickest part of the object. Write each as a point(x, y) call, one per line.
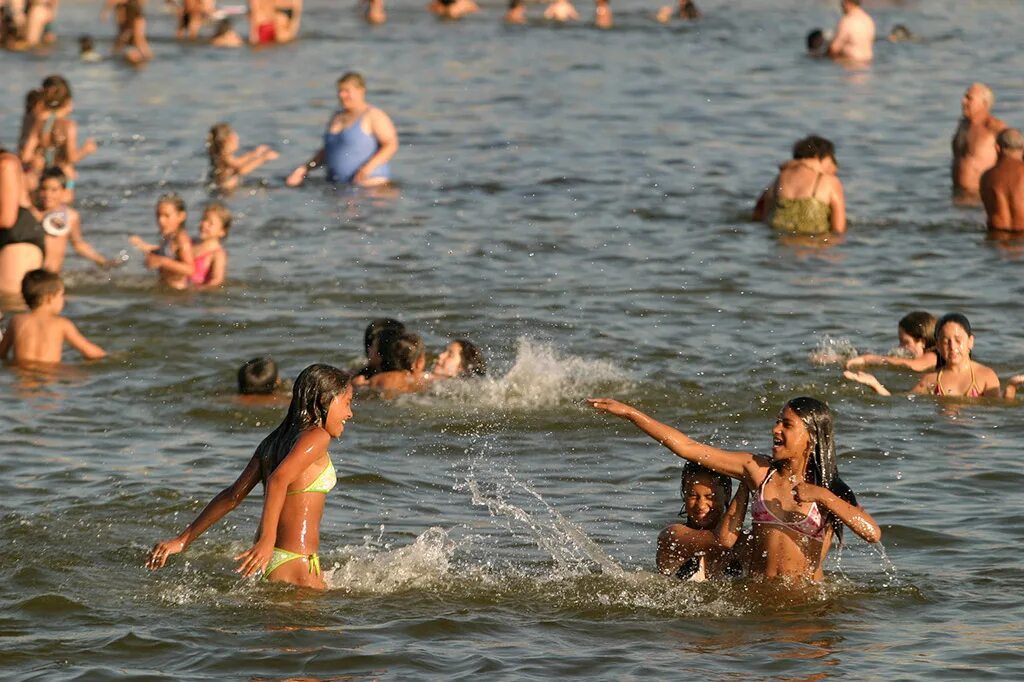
point(85, 43)
point(814, 147)
point(174, 199)
point(38, 285)
point(955, 318)
point(224, 26)
point(54, 173)
point(376, 327)
point(315, 389)
point(920, 325)
point(402, 353)
point(258, 377)
point(691, 470)
point(473, 363)
point(822, 468)
point(56, 91)
point(689, 10)
point(815, 40)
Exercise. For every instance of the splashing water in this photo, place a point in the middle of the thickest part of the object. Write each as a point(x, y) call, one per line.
point(832, 351)
point(369, 571)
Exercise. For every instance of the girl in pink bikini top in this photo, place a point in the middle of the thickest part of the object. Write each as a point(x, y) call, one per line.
point(211, 260)
point(813, 525)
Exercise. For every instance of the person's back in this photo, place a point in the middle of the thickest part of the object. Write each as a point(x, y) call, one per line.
point(1002, 186)
point(561, 11)
point(855, 35)
point(402, 368)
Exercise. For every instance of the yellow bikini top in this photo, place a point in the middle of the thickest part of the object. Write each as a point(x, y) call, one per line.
point(323, 483)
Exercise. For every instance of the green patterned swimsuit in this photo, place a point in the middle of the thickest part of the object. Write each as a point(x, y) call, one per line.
point(802, 216)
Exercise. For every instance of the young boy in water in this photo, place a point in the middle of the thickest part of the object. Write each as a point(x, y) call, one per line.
point(38, 336)
point(62, 223)
point(403, 364)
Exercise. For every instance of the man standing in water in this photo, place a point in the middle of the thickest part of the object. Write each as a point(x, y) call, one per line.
point(855, 35)
point(974, 143)
point(1002, 185)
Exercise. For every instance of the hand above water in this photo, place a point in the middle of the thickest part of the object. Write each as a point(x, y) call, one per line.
point(297, 177)
point(612, 407)
point(254, 559)
point(159, 554)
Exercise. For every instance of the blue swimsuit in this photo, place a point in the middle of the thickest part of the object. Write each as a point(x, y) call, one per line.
point(348, 150)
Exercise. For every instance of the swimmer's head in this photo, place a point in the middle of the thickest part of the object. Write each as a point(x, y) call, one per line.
point(224, 27)
point(977, 100)
point(407, 353)
point(816, 41)
point(688, 10)
point(170, 212)
point(916, 332)
point(85, 44)
point(258, 377)
point(216, 222)
point(220, 142)
point(1010, 140)
point(515, 4)
point(461, 358)
point(847, 5)
point(954, 339)
point(52, 185)
point(39, 286)
point(56, 92)
point(705, 495)
point(900, 33)
point(815, 147)
point(374, 329)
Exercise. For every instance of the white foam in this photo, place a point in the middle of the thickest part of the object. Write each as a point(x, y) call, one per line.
point(832, 351)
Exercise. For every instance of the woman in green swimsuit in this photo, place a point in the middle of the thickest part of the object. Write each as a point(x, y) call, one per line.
point(806, 196)
point(297, 473)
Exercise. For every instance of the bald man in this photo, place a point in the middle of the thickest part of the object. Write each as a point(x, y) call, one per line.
point(1002, 186)
point(974, 144)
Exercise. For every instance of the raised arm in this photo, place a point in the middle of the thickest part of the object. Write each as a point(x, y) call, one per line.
point(741, 465)
point(251, 160)
point(77, 340)
point(311, 446)
point(854, 516)
point(72, 151)
point(221, 504)
point(922, 364)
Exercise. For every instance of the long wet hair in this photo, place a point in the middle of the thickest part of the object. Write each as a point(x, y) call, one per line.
point(473, 362)
point(920, 326)
point(216, 141)
point(957, 319)
point(315, 389)
point(822, 468)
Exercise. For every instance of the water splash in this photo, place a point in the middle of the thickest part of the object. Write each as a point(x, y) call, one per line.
point(367, 570)
point(832, 351)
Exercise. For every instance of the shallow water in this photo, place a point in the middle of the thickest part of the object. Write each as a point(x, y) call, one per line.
point(574, 200)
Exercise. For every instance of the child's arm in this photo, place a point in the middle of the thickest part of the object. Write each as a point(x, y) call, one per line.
point(299, 174)
point(214, 511)
point(250, 161)
point(7, 341)
point(183, 264)
point(82, 247)
point(218, 270)
point(139, 36)
point(741, 465)
point(72, 151)
point(868, 380)
point(311, 446)
point(141, 244)
point(922, 364)
point(731, 523)
point(858, 520)
point(88, 349)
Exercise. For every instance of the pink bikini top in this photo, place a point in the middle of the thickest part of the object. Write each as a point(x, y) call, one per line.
point(811, 526)
point(202, 264)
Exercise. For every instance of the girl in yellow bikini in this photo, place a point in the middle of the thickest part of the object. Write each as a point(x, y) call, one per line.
point(297, 473)
point(956, 374)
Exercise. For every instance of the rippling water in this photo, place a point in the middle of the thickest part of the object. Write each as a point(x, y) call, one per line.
point(575, 201)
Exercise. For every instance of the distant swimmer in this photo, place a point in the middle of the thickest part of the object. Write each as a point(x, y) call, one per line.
point(225, 35)
point(561, 11)
point(375, 13)
point(172, 258)
point(516, 13)
point(603, 14)
point(460, 359)
point(916, 334)
point(806, 196)
point(131, 42)
point(359, 142)
point(1002, 185)
point(817, 43)
point(403, 361)
point(974, 143)
point(855, 35)
point(687, 10)
point(260, 384)
point(799, 504)
point(297, 473)
point(453, 9)
point(901, 34)
point(227, 166)
point(274, 21)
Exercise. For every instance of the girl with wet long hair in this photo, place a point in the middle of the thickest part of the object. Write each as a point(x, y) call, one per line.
point(798, 501)
point(297, 473)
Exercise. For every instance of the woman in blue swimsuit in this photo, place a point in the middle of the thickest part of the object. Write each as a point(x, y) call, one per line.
point(358, 143)
point(297, 473)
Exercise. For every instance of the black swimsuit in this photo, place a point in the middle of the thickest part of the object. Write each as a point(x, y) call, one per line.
point(26, 230)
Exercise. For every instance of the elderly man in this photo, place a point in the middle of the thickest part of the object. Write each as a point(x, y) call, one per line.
point(855, 35)
point(974, 144)
point(1002, 185)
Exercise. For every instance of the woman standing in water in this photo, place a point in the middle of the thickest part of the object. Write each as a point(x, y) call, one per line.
point(798, 501)
point(22, 239)
point(359, 141)
point(297, 473)
point(806, 196)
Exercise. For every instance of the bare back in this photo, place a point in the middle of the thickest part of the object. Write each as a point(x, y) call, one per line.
point(974, 152)
point(1002, 193)
point(38, 337)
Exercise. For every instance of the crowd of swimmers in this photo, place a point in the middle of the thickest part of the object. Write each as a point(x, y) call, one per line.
point(799, 505)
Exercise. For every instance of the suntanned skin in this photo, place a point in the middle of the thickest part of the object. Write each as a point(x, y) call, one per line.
point(38, 336)
point(15, 259)
point(51, 194)
point(1002, 191)
point(855, 35)
point(396, 382)
point(974, 143)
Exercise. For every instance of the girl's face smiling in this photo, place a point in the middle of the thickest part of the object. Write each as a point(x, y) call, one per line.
point(211, 226)
point(790, 439)
point(449, 362)
point(703, 506)
point(169, 218)
point(338, 413)
point(954, 344)
point(915, 346)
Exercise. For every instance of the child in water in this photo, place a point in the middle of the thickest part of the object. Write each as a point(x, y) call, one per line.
point(561, 11)
point(404, 359)
point(297, 473)
point(375, 13)
point(209, 257)
point(227, 169)
point(62, 223)
point(172, 258)
point(798, 504)
point(516, 13)
point(688, 10)
point(50, 135)
point(38, 336)
point(460, 359)
point(87, 50)
point(916, 333)
point(258, 376)
point(372, 348)
point(130, 41)
point(956, 374)
point(225, 35)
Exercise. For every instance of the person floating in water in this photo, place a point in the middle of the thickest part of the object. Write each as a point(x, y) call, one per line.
point(956, 374)
point(516, 13)
point(359, 142)
point(806, 196)
point(687, 11)
point(854, 40)
point(799, 503)
point(974, 142)
point(297, 473)
point(1002, 185)
point(461, 358)
point(916, 334)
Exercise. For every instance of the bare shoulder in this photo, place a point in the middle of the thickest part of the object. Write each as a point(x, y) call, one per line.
point(996, 125)
point(313, 437)
point(985, 373)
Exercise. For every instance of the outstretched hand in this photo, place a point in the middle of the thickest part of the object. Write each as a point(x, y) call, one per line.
point(611, 406)
point(161, 551)
point(865, 378)
point(254, 559)
point(297, 177)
